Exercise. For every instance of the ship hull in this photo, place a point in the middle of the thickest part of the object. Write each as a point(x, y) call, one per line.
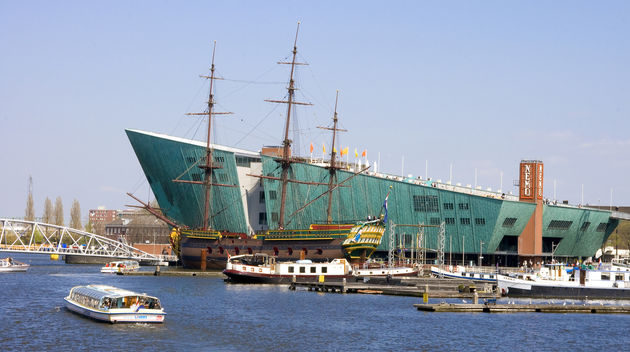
point(216, 251)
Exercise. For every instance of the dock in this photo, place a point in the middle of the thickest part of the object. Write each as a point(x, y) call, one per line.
point(522, 308)
point(174, 272)
point(414, 288)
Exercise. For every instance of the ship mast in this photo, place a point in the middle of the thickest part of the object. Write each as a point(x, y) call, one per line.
point(208, 166)
point(285, 161)
point(333, 168)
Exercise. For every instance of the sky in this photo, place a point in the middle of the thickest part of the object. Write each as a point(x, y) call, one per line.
point(423, 85)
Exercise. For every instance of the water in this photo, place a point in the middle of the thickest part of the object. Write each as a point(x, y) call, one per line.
point(205, 314)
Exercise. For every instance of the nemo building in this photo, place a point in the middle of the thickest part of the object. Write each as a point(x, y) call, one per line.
point(502, 229)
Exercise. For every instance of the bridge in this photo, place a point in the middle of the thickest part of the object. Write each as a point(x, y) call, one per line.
point(23, 236)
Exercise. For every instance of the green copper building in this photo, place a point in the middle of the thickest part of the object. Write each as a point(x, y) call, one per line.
point(502, 228)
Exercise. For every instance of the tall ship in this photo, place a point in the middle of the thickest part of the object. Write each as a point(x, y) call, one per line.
point(222, 200)
point(209, 245)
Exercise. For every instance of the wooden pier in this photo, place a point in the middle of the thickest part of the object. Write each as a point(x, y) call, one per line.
point(522, 308)
point(384, 288)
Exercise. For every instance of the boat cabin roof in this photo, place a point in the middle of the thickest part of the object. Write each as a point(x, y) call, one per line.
point(101, 291)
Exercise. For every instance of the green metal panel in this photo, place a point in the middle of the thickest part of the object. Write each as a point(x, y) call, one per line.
point(576, 241)
point(163, 160)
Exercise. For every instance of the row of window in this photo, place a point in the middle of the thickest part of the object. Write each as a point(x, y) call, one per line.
point(430, 204)
point(313, 270)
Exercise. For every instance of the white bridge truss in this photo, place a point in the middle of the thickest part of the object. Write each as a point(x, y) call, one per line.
point(34, 237)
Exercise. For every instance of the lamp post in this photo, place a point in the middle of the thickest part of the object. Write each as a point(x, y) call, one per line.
point(463, 251)
point(480, 251)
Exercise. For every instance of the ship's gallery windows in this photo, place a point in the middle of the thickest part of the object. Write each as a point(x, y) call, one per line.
point(449, 221)
point(465, 221)
point(463, 206)
point(509, 222)
point(448, 206)
point(426, 204)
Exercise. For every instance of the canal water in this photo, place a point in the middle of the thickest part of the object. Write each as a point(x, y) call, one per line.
point(206, 314)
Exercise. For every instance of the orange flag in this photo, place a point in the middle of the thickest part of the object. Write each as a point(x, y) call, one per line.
point(364, 153)
point(311, 147)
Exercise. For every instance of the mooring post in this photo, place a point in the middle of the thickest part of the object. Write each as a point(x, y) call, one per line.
point(204, 255)
point(157, 270)
point(475, 298)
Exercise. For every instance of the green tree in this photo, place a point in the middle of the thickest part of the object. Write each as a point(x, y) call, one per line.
point(30, 207)
point(47, 217)
point(58, 212)
point(75, 215)
point(88, 227)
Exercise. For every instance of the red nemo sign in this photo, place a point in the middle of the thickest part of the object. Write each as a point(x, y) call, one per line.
point(531, 180)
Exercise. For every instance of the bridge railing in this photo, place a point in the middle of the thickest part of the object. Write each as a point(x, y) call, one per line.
point(36, 237)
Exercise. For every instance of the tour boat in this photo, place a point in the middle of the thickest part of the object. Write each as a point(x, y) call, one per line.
point(121, 266)
point(462, 272)
point(560, 281)
point(385, 271)
point(114, 305)
point(10, 265)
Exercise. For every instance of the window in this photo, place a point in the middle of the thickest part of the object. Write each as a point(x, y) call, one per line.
point(272, 195)
point(426, 204)
point(559, 225)
point(601, 227)
point(585, 226)
point(434, 221)
point(448, 206)
point(618, 277)
point(191, 159)
point(302, 270)
point(262, 218)
point(219, 159)
point(480, 221)
point(274, 217)
point(196, 176)
point(291, 270)
point(223, 177)
point(449, 221)
point(324, 270)
point(242, 161)
point(463, 206)
point(261, 197)
point(509, 222)
point(605, 277)
point(313, 270)
point(465, 221)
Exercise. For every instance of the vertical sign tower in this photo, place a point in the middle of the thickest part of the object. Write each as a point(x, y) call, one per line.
point(531, 190)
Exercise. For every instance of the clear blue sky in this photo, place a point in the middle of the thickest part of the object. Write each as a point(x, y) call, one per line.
point(479, 84)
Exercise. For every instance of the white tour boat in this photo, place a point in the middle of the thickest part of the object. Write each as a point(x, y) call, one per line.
point(462, 272)
point(11, 265)
point(114, 305)
point(560, 281)
point(121, 266)
point(384, 271)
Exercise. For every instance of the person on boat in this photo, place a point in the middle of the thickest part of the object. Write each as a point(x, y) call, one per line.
point(134, 305)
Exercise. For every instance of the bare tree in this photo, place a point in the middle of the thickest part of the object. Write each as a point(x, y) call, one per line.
point(58, 212)
point(30, 207)
point(75, 215)
point(47, 218)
